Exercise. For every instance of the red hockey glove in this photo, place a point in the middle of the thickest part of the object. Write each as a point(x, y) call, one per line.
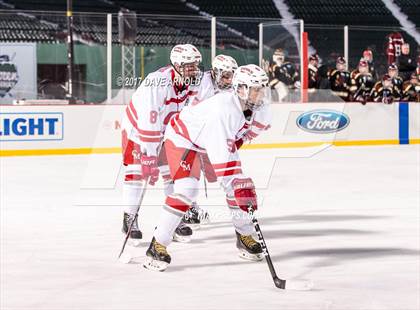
point(239, 143)
point(149, 168)
point(245, 195)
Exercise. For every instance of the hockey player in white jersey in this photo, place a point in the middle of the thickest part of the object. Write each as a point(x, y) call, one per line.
point(161, 95)
point(213, 81)
point(216, 80)
point(212, 127)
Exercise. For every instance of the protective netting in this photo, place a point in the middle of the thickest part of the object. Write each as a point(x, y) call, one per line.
point(281, 59)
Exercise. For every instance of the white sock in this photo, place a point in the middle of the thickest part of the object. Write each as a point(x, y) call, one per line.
point(168, 222)
point(132, 191)
point(241, 221)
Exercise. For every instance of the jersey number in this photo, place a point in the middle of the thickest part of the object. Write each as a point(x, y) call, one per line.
point(153, 117)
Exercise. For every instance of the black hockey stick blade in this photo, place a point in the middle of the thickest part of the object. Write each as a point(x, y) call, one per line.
point(280, 283)
point(290, 284)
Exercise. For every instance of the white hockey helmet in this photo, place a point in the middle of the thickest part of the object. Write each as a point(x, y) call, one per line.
point(186, 58)
point(223, 68)
point(184, 54)
point(250, 83)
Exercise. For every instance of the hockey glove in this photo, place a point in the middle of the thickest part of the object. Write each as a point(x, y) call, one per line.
point(239, 143)
point(245, 195)
point(149, 168)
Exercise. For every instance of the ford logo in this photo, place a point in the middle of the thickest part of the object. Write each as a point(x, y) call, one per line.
point(323, 121)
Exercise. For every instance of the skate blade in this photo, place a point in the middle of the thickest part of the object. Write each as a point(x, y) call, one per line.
point(182, 239)
point(155, 265)
point(134, 242)
point(194, 226)
point(248, 256)
point(131, 241)
point(204, 220)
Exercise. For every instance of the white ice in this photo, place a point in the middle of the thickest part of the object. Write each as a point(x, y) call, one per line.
point(346, 218)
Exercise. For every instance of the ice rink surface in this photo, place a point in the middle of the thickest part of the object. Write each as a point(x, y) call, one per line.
point(346, 218)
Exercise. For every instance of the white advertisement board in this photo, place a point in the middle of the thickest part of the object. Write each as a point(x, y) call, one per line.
point(18, 71)
point(83, 129)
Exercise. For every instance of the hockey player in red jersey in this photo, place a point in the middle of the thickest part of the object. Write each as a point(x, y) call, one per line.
point(393, 47)
point(212, 127)
point(162, 94)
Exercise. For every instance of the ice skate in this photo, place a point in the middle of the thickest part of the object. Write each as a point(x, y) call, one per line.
point(182, 233)
point(248, 248)
point(157, 258)
point(135, 233)
point(195, 216)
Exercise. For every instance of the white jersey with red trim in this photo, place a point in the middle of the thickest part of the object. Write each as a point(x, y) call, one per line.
point(212, 126)
point(206, 89)
point(151, 108)
point(259, 121)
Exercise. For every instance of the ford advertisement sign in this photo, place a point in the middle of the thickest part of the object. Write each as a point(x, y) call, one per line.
point(322, 121)
point(31, 126)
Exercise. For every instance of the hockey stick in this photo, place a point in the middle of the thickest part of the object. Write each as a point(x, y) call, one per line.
point(204, 173)
point(280, 283)
point(135, 218)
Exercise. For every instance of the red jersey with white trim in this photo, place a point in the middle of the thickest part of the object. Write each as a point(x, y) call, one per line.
point(393, 48)
point(151, 108)
point(212, 126)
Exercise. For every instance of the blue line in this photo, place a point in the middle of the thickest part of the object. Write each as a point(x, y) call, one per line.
point(403, 123)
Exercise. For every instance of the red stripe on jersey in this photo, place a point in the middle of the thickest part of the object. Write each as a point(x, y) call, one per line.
point(133, 177)
point(168, 117)
point(180, 128)
point(228, 172)
point(176, 100)
point(150, 132)
point(133, 110)
point(166, 177)
point(175, 127)
point(252, 134)
point(182, 99)
point(131, 119)
point(231, 202)
point(227, 165)
point(258, 125)
point(183, 127)
point(177, 204)
point(145, 139)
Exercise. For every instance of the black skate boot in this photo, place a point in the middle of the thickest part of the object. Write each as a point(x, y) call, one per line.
point(195, 216)
point(135, 233)
point(248, 247)
point(182, 233)
point(157, 258)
